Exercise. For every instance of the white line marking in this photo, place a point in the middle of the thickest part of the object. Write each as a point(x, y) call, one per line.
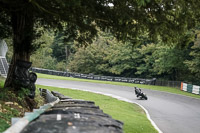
point(119, 98)
point(77, 115)
point(59, 117)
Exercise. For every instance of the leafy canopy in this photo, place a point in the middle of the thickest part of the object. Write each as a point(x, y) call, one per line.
point(126, 19)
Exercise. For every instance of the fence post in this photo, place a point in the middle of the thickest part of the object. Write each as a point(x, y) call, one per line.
point(181, 86)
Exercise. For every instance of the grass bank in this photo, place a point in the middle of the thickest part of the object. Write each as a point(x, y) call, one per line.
point(134, 118)
point(152, 87)
point(13, 105)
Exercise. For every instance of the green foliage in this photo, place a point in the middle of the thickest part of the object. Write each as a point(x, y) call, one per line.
point(123, 58)
point(58, 47)
point(62, 45)
point(6, 112)
point(3, 95)
point(5, 29)
point(87, 60)
point(107, 56)
point(6, 117)
point(125, 19)
point(129, 21)
point(51, 54)
point(42, 57)
point(194, 63)
point(12, 105)
point(39, 99)
point(10, 49)
point(81, 20)
point(169, 62)
point(146, 60)
point(61, 66)
point(110, 57)
point(4, 125)
point(23, 92)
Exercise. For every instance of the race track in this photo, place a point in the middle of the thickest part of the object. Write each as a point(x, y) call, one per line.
point(172, 113)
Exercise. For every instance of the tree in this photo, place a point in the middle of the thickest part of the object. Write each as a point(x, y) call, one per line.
point(194, 63)
point(42, 57)
point(91, 59)
point(169, 62)
point(125, 19)
point(121, 58)
point(145, 60)
point(65, 44)
point(105, 56)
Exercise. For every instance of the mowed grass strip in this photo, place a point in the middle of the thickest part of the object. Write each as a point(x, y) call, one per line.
point(152, 87)
point(133, 117)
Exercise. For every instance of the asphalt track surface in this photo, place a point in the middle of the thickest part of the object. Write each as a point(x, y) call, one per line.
point(172, 113)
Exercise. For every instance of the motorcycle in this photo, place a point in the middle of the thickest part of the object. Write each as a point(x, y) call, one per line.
point(140, 94)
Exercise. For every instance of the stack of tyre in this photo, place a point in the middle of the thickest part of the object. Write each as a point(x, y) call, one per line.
point(74, 116)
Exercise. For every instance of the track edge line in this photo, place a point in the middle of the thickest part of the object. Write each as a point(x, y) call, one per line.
point(119, 98)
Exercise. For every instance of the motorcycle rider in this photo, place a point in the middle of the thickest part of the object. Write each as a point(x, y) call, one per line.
point(140, 94)
point(137, 91)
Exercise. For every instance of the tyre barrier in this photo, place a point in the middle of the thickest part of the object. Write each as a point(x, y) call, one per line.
point(95, 77)
point(190, 88)
point(72, 116)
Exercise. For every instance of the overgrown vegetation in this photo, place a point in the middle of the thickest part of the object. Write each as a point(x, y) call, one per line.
point(134, 118)
point(13, 104)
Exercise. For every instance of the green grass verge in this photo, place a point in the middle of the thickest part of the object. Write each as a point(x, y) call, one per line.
point(2, 80)
point(13, 109)
point(152, 87)
point(6, 113)
point(134, 118)
point(6, 116)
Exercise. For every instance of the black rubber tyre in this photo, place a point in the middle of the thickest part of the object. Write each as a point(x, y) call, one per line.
point(145, 97)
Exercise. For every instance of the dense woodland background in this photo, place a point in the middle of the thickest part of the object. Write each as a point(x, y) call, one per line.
point(108, 56)
point(159, 39)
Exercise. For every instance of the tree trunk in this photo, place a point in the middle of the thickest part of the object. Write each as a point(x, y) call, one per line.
point(22, 25)
point(67, 52)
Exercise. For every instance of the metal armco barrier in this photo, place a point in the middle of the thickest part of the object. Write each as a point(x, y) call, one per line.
point(95, 77)
point(190, 88)
point(176, 84)
point(73, 116)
